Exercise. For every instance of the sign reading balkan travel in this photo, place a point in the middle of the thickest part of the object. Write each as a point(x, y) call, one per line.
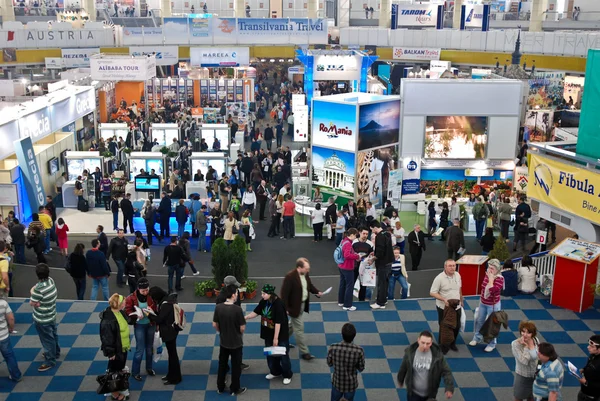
point(565, 186)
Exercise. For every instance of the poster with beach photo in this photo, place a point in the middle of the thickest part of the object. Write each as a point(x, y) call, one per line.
point(455, 137)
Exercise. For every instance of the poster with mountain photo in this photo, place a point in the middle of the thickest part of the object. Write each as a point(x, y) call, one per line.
point(379, 124)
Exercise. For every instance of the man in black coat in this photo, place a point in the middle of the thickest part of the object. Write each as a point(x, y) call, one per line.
point(127, 209)
point(384, 256)
point(118, 248)
point(279, 179)
point(331, 216)
point(246, 168)
point(351, 208)
point(164, 210)
point(103, 240)
point(269, 137)
point(416, 246)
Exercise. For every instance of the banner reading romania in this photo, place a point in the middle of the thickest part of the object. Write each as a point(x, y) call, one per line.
point(565, 186)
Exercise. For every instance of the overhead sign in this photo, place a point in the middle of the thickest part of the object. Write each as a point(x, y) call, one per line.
point(32, 176)
point(165, 55)
point(270, 31)
point(416, 53)
point(473, 15)
point(54, 63)
point(219, 56)
point(565, 186)
point(119, 68)
point(78, 58)
point(416, 14)
point(337, 68)
point(59, 38)
point(142, 35)
point(411, 175)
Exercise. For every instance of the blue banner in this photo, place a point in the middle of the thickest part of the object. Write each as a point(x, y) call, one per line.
point(411, 186)
point(32, 176)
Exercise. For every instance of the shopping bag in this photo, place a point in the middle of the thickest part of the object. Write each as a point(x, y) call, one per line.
point(157, 347)
point(328, 230)
point(368, 277)
point(463, 319)
point(490, 223)
point(356, 288)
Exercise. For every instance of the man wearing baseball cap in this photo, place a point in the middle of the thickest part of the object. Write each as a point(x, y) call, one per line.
point(231, 280)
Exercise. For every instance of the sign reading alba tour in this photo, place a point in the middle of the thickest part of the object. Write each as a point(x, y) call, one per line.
point(559, 184)
point(120, 68)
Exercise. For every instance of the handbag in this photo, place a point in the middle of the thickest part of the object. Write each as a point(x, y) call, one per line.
point(111, 382)
point(234, 228)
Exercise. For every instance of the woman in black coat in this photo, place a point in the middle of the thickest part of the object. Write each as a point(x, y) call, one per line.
point(114, 336)
point(444, 219)
point(77, 269)
point(164, 320)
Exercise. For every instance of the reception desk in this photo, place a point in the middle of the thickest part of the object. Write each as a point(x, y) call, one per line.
point(69, 197)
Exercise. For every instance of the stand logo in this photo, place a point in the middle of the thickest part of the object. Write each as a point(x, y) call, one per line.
point(35, 127)
point(412, 165)
point(330, 67)
point(333, 131)
point(226, 27)
point(523, 181)
point(83, 105)
point(543, 178)
point(35, 175)
point(422, 16)
point(473, 16)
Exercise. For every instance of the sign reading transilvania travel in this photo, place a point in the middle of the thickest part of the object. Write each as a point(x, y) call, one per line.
point(416, 53)
point(581, 251)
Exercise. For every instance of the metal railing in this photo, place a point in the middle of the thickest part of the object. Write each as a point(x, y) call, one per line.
point(252, 13)
point(21, 11)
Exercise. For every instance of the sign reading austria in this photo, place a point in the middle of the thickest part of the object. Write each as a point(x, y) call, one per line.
point(565, 186)
point(416, 53)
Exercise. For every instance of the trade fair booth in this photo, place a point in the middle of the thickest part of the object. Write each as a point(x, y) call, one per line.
point(201, 161)
point(113, 130)
point(209, 132)
point(334, 65)
point(49, 123)
point(164, 133)
point(457, 139)
point(146, 161)
point(76, 163)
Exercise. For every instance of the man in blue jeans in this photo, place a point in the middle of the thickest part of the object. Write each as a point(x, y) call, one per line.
point(174, 258)
point(480, 214)
point(97, 269)
point(43, 302)
point(201, 226)
point(118, 248)
point(7, 324)
point(347, 360)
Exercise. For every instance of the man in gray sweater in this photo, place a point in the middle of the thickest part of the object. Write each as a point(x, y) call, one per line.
point(201, 226)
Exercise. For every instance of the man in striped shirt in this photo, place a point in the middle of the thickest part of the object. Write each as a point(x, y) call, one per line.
point(43, 301)
point(549, 380)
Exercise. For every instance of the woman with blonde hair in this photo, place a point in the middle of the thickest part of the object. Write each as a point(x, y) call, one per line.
point(524, 349)
point(114, 336)
point(231, 225)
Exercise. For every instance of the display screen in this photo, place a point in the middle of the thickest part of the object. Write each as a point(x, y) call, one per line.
point(378, 125)
point(202, 164)
point(455, 137)
point(75, 167)
point(171, 134)
point(135, 167)
point(156, 164)
point(147, 184)
point(333, 171)
point(53, 166)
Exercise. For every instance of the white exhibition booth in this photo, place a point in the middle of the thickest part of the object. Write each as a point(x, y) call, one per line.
point(76, 163)
point(201, 161)
point(164, 133)
point(209, 132)
point(113, 130)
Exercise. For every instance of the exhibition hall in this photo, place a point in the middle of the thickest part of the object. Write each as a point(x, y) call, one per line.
point(305, 200)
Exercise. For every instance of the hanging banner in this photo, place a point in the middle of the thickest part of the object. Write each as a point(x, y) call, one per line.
point(78, 58)
point(565, 186)
point(165, 55)
point(119, 68)
point(142, 35)
point(375, 195)
point(301, 123)
point(473, 15)
point(32, 176)
point(521, 179)
point(270, 31)
point(416, 53)
point(395, 185)
point(335, 68)
point(411, 175)
point(219, 56)
point(416, 14)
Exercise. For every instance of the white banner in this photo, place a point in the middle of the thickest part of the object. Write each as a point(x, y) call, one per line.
point(298, 100)
point(58, 38)
point(78, 58)
point(165, 55)
point(337, 68)
point(301, 123)
point(219, 56)
point(416, 53)
point(474, 15)
point(56, 63)
point(115, 68)
point(417, 15)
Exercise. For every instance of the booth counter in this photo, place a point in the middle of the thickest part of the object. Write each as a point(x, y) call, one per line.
point(472, 271)
point(139, 204)
point(68, 194)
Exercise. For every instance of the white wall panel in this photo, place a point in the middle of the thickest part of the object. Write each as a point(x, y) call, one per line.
point(419, 37)
point(548, 47)
point(461, 97)
point(502, 137)
point(455, 40)
point(383, 36)
point(413, 134)
point(570, 43)
point(581, 43)
point(559, 43)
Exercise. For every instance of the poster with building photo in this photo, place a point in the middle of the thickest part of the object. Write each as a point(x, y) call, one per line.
point(369, 161)
point(455, 137)
point(378, 124)
point(375, 188)
point(333, 171)
point(538, 125)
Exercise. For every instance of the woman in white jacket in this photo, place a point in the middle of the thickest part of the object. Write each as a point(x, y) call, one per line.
point(249, 199)
point(527, 276)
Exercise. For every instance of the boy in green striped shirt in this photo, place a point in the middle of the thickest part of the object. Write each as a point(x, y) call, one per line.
point(43, 301)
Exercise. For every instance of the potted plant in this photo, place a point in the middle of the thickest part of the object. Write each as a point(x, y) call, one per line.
point(500, 250)
point(237, 259)
point(164, 150)
point(204, 288)
point(127, 150)
point(250, 289)
point(220, 262)
point(172, 155)
point(108, 155)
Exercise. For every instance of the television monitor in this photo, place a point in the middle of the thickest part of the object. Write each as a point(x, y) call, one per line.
point(147, 184)
point(53, 166)
point(171, 134)
point(455, 137)
point(63, 157)
point(81, 134)
point(74, 168)
point(91, 164)
point(341, 85)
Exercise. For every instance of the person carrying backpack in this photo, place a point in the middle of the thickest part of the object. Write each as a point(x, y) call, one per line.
point(480, 214)
point(170, 321)
point(345, 258)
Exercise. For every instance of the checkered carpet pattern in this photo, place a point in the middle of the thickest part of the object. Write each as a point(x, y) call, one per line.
point(384, 334)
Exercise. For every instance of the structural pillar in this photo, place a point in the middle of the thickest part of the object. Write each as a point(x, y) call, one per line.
point(165, 8)
point(90, 7)
point(385, 14)
point(457, 14)
point(343, 13)
point(240, 8)
point(7, 11)
point(313, 9)
point(538, 9)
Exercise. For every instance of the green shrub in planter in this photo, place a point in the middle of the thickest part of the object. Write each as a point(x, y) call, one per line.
point(220, 262)
point(237, 259)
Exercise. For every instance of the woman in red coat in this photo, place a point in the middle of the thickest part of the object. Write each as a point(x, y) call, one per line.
point(61, 234)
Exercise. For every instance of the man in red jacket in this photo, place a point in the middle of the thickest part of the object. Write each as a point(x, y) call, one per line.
point(295, 292)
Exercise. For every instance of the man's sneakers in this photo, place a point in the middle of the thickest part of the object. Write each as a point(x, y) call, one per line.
point(473, 343)
point(270, 376)
point(351, 308)
point(287, 380)
point(182, 277)
point(340, 304)
point(489, 348)
point(195, 274)
point(241, 391)
point(245, 366)
point(377, 306)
